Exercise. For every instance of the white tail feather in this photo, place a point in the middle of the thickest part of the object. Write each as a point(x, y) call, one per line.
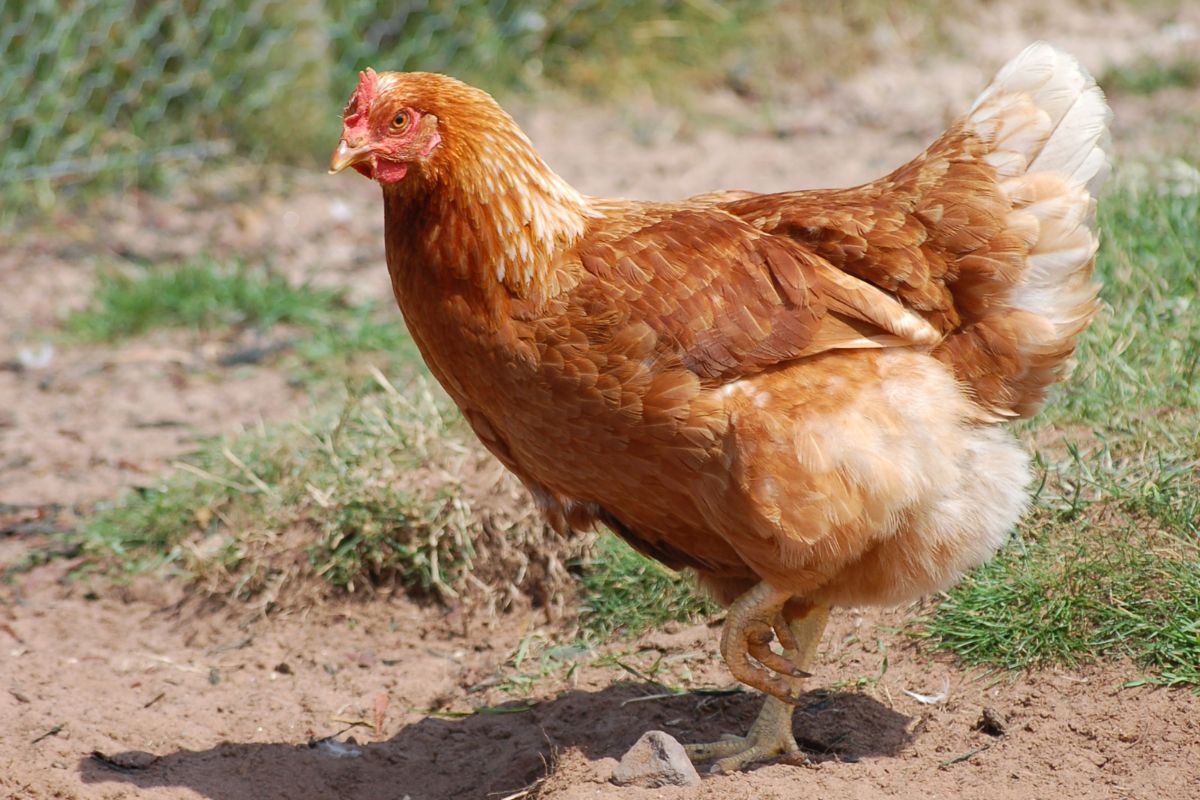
point(1047, 123)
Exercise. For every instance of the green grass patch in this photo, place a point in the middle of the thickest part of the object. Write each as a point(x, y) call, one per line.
point(1149, 75)
point(205, 296)
point(625, 593)
point(1139, 364)
point(1068, 599)
point(389, 491)
point(202, 295)
point(1109, 563)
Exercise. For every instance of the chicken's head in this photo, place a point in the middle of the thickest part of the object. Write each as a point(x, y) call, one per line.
point(385, 129)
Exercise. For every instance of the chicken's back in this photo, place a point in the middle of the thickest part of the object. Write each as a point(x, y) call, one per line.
point(989, 235)
point(874, 476)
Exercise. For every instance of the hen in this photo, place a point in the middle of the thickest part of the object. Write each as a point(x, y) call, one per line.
point(797, 395)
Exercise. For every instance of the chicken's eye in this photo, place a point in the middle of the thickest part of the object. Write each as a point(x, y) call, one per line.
point(400, 121)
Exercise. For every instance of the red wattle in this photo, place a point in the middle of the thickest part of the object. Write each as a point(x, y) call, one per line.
point(390, 171)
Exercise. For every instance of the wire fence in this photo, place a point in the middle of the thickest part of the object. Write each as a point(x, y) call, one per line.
point(96, 88)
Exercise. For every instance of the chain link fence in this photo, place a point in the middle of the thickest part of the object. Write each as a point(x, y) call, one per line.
point(91, 89)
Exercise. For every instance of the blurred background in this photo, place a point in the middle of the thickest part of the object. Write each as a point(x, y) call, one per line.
point(204, 379)
point(104, 92)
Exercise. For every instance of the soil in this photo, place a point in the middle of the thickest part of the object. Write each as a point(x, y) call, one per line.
point(140, 690)
point(139, 695)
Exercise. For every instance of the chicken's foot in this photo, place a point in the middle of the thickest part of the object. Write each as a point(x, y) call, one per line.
point(771, 733)
point(754, 619)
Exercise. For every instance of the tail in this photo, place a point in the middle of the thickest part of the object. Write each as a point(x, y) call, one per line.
point(1043, 123)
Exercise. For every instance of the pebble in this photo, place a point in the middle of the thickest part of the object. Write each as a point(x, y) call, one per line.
point(656, 759)
point(992, 722)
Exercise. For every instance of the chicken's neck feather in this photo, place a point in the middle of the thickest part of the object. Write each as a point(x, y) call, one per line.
point(494, 214)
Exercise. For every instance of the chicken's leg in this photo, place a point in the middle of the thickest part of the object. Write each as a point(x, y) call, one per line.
point(771, 733)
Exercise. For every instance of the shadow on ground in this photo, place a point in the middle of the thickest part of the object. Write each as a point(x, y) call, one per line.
point(499, 752)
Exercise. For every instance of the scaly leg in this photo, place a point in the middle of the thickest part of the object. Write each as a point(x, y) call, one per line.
point(771, 733)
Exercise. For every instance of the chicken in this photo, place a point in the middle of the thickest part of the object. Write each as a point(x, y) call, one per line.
point(797, 396)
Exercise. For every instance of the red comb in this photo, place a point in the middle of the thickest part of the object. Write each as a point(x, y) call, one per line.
point(354, 118)
point(368, 86)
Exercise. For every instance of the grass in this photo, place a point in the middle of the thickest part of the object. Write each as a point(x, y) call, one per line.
point(1149, 75)
point(201, 295)
point(1109, 563)
point(206, 296)
point(387, 492)
point(624, 593)
point(1068, 599)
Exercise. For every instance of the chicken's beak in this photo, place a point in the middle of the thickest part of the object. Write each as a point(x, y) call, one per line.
point(347, 156)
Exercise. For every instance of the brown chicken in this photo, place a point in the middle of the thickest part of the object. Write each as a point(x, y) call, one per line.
point(798, 395)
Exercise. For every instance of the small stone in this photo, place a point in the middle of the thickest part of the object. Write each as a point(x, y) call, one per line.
point(992, 722)
point(655, 760)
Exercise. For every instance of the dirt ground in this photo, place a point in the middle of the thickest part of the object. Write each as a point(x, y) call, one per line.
point(152, 699)
point(138, 691)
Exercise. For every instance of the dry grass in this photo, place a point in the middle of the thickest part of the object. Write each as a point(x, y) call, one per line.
point(391, 493)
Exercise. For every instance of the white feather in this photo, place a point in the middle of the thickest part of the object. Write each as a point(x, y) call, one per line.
point(1047, 121)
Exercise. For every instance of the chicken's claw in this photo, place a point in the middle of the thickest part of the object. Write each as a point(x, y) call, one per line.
point(754, 620)
point(787, 638)
point(760, 649)
point(770, 736)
